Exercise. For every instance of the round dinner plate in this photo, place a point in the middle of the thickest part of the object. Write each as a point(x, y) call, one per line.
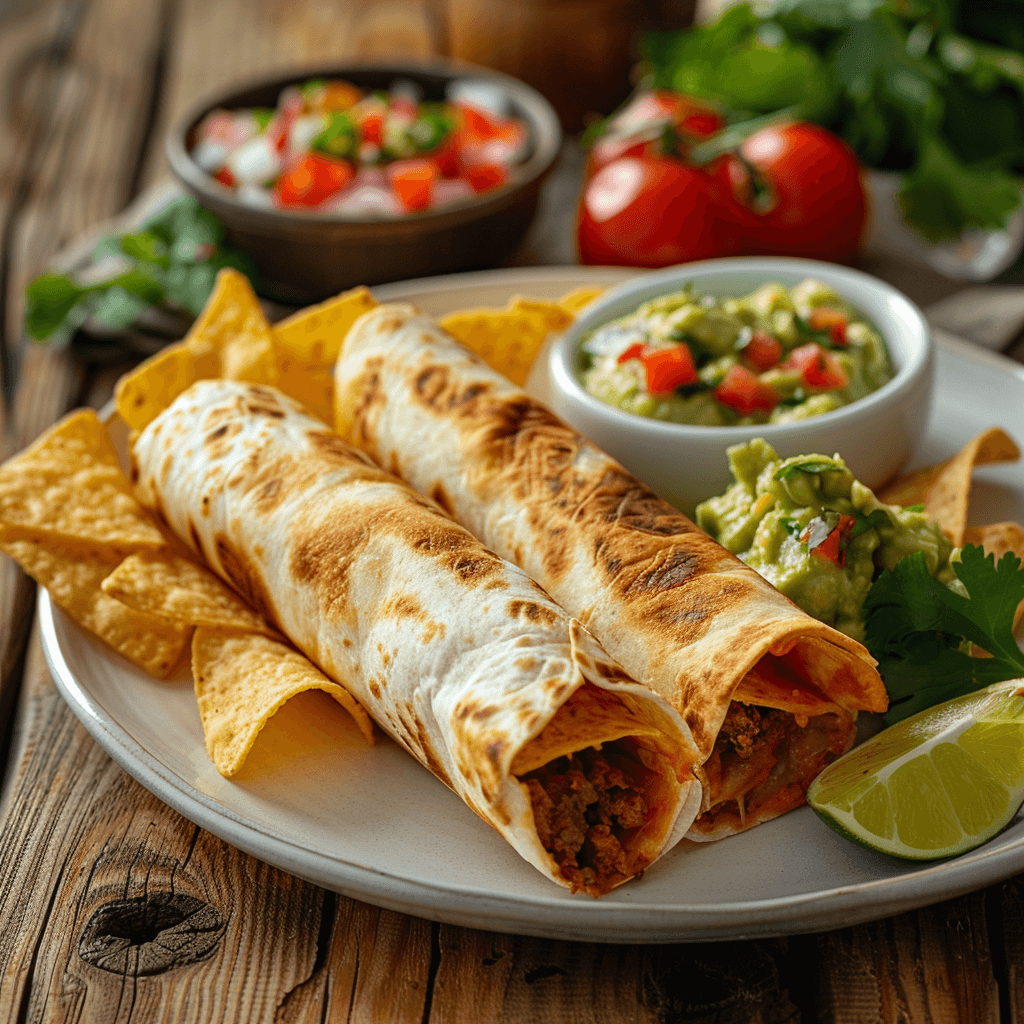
point(371, 823)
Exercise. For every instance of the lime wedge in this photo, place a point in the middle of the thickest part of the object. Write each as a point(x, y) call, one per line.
point(934, 785)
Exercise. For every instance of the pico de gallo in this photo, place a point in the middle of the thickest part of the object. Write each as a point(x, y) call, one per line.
point(329, 146)
point(774, 356)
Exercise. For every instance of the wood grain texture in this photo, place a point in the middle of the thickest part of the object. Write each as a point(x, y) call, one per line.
point(932, 966)
point(1010, 898)
point(115, 908)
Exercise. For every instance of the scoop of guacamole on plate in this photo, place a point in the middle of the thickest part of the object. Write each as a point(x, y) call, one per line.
point(815, 533)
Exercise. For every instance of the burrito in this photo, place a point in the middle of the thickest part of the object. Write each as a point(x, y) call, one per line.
point(769, 693)
point(459, 656)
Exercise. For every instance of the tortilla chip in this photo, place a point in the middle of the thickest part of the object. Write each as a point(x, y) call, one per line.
point(944, 489)
point(508, 339)
point(242, 679)
point(314, 335)
point(575, 300)
point(178, 590)
point(232, 338)
point(68, 486)
point(151, 387)
point(312, 384)
point(73, 577)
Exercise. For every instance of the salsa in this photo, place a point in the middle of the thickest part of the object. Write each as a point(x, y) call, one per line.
point(774, 356)
point(817, 534)
point(329, 146)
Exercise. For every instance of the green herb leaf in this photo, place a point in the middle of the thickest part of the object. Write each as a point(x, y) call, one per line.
point(809, 466)
point(916, 628)
point(913, 508)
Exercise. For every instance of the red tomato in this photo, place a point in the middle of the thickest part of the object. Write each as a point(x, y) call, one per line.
point(816, 205)
point(743, 391)
point(225, 177)
point(312, 180)
point(635, 351)
point(668, 368)
point(820, 370)
point(833, 547)
point(484, 177)
point(447, 156)
point(413, 182)
point(372, 127)
point(763, 351)
point(645, 212)
point(824, 318)
point(637, 128)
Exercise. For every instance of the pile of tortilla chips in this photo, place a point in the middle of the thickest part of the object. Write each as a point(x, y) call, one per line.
point(68, 515)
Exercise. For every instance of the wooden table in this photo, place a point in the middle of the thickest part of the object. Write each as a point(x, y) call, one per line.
point(112, 906)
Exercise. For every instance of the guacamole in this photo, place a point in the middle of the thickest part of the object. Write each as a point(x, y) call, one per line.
point(773, 356)
point(817, 534)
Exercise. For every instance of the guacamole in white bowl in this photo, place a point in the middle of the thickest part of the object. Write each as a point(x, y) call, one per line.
point(776, 355)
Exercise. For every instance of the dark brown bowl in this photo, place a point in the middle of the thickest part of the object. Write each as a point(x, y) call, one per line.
point(309, 256)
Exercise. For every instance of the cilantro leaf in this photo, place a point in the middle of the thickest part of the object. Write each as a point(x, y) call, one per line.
point(172, 262)
point(917, 629)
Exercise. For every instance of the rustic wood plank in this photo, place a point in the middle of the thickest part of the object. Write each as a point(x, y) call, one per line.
point(1011, 903)
point(377, 968)
point(932, 966)
point(115, 908)
point(516, 980)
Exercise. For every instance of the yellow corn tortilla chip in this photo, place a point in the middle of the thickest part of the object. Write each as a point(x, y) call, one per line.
point(232, 338)
point(314, 335)
point(242, 679)
point(73, 577)
point(68, 486)
point(944, 489)
point(575, 300)
point(312, 384)
point(508, 339)
point(146, 391)
point(175, 589)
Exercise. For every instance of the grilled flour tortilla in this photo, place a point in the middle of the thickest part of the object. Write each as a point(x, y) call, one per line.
point(769, 693)
point(460, 657)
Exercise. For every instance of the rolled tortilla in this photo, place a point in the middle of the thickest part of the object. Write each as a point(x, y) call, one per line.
point(770, 694)
point(456, 653)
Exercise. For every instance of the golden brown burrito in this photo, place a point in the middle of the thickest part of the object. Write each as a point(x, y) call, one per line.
point(456, 653)
point(769, 693)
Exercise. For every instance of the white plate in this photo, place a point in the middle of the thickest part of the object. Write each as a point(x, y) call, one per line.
point(373, 824)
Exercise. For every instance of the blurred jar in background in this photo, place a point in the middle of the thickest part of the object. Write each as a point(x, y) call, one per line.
point(578, 53)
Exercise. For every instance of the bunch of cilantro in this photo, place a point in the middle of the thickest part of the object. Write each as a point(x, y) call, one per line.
point(930, 88)
point(171, 264)
point(925, 634)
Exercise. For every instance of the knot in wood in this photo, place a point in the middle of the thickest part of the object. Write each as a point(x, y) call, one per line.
point(151, 934)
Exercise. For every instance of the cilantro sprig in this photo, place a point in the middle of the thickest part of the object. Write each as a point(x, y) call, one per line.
point(170, 264)
point(920, 630)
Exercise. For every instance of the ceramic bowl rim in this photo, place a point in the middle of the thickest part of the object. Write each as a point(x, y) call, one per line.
point(540, 116)
point(919, 344)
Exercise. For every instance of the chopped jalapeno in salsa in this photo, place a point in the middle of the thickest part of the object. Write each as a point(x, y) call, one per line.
point(772, 356)
point(330, 146)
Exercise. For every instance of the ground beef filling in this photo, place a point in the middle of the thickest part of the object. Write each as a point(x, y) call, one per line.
point(764, 759)
point(582, 804)
point(745, 751)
